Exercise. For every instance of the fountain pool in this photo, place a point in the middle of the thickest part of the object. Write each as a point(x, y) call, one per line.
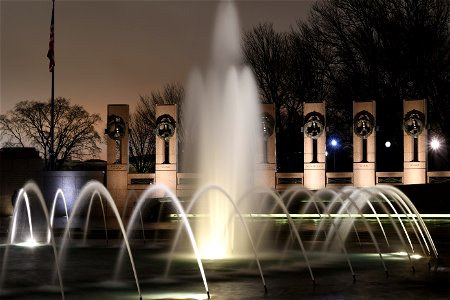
point(374, 256)
point(247, 242)
point(88, 271)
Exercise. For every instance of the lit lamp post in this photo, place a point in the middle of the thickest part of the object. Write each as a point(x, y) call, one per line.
point(334, 144)
point(435, 145)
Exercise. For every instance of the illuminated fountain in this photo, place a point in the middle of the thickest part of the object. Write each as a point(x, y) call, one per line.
point(230, 225)
point(223, 118)
point(392, 225)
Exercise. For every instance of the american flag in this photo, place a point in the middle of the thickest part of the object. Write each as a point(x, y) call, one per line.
point(51, 43)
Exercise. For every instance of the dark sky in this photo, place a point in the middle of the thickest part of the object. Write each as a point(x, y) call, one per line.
point(113, 51)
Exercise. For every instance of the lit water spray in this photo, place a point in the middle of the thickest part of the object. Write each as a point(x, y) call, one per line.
point(222, 115)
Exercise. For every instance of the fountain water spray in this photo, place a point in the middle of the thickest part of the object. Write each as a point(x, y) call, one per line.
point(89, 189)
point(185, 222)
point(88, 217)
point(23, 196)
point(223, 116)
point(194, 200)
point(60, 193)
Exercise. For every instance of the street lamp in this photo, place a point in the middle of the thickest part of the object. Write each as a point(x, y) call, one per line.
point(334, 144)
point(387, 144)
point(435, 144)
point(433, 158)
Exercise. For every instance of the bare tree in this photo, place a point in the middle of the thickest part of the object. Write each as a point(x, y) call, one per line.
point(143, 125)
point(387, 50)
point(28, 124)
point(382, 50)
point(268, 55)
point(265, 51)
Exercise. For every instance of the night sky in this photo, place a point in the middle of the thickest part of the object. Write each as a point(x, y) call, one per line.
point(113, 51)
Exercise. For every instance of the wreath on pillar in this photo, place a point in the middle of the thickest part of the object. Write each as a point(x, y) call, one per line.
point(314, 125)
point(115, 127)
point(414, 123)
point(363, 124)
point(268, 125)
point(165, 126)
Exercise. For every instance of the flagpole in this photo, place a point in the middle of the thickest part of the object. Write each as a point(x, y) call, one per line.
point(52, 125)
point(51, 57)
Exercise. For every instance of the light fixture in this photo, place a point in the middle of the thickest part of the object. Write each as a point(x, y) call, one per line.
point(435, 144)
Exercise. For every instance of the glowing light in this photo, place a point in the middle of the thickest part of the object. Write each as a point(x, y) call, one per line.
point(435, 144)
point(387, 144)
point(213, 251)
point(413, 256)
point(318, 216)
point(178, 296)
point(334, 143)
point(30, 243)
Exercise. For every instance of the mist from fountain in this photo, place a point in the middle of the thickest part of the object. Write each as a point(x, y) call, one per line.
point(30, 187)
point(61, 195)
point(223, 119)
point(90, 189)
point(137, 212)
point(195, 198)
point(222, 116)
point(337, 212)
point(88, 217)
point(22, 195)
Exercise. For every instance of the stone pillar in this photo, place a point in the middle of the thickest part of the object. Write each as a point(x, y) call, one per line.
point(364, 144)
point(166, 146)
point(314, 139)
point(414, 141)
point(267, 163)
point(117, 129)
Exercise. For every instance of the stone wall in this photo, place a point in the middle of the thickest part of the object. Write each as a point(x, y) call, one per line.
point(17, 166)
point(20, 165)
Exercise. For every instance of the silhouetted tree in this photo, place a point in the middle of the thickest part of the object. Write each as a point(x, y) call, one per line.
point(387, 50)
point(265, 51)
point(268, 55)
point(143, 125)
point(28, 124)
point(347, 50)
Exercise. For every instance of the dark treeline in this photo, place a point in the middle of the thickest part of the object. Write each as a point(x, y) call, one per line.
point(350, 50)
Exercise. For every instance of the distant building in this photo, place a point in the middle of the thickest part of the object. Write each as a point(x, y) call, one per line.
point(17, 166)
point(87, 165)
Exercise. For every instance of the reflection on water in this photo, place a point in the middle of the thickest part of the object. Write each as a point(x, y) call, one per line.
point(88, 272)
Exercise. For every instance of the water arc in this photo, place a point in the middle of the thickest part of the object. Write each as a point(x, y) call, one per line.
point(88, 217)
point(193, 201)
point(32, 186)
point(60, 193)
point(185, 222)
point(90, 188)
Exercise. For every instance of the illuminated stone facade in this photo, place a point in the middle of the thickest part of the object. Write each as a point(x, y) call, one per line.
point(364, 144)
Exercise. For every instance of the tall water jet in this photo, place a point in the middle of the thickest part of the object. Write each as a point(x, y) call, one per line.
point(223, 118)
